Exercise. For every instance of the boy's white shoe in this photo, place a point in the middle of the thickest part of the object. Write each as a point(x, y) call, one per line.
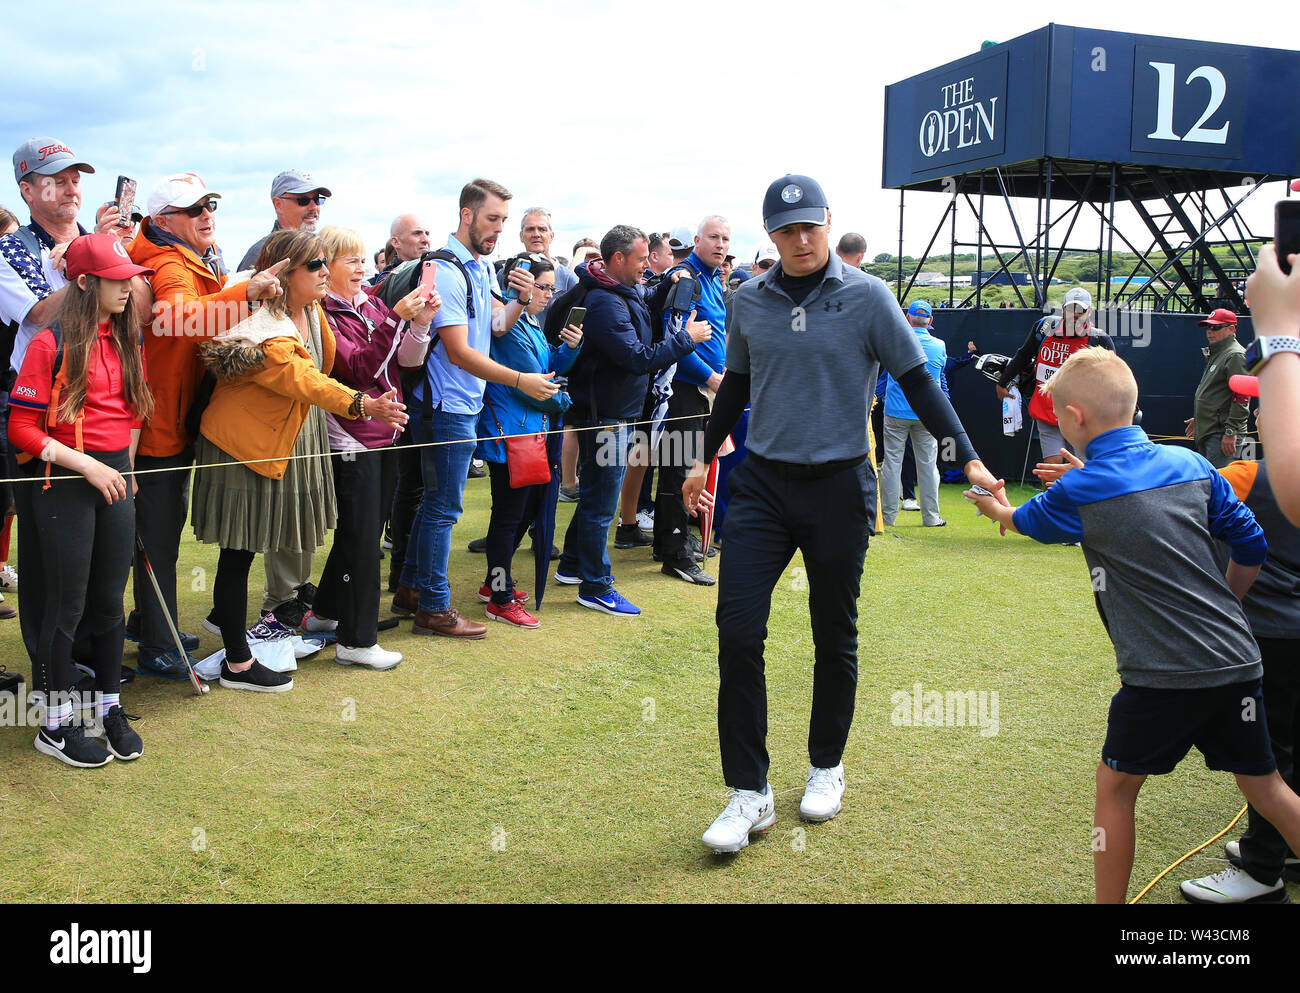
point(747, 813)
point(911, 505)
point(822, 795)
point(372, 657)
point(1233, 885)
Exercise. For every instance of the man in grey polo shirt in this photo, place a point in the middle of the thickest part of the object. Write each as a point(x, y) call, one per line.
point(805, 341)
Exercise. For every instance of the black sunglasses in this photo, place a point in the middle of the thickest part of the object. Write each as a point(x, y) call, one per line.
point(303, 201)
point(314, 265)
point(197, 210)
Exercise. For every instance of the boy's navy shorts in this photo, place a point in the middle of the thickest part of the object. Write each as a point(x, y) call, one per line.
point(1151, 730)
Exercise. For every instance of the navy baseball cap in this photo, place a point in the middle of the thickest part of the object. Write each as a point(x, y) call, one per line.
point(794, 199)
point(738, 276)
point(920, 308)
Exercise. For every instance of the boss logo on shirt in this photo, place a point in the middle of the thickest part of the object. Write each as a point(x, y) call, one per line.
point(24, 391)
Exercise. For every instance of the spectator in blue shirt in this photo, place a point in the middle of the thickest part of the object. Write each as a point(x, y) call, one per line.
point(446, 402)
point(902, 423)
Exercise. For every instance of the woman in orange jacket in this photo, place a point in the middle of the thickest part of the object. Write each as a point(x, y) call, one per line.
point(249, 495)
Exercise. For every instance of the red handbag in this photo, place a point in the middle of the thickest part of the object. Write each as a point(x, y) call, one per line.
point(525, 455)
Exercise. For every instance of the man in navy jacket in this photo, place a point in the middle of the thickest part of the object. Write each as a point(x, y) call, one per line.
point(608, 385)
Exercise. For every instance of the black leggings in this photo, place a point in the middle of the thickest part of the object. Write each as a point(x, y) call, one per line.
point(513, 513)
point(86, 547)
point(230, 602)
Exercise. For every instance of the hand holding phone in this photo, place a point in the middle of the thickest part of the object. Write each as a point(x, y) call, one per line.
point(1286, 231)
point(576, 316)
point(428, 278)
point(124, 198)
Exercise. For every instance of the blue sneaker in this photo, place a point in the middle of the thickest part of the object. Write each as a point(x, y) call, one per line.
point(169, 665)
point(611, 603)
point(565, 579)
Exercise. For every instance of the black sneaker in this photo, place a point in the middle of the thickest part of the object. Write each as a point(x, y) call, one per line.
point(70, 745)
point(631, 536)
point(256, 677)
point(687, 570)
point(291, 612)
point(124, 743)
point(475, 472)
point(698, 549)
point(478, 546)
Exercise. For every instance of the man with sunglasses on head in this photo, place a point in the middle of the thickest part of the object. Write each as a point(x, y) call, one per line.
point(193, 302)
point(297, 199)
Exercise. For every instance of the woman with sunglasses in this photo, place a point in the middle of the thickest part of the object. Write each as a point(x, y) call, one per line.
point(249, 494)
point(368, 338)
point(508, 411)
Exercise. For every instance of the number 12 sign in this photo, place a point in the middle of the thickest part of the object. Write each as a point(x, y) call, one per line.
point(1187, 102)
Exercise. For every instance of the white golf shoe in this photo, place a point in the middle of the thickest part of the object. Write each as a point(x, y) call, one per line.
point(747, 813)
point(822, 795)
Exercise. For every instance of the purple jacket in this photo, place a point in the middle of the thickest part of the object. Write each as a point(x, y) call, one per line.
point(366, 359)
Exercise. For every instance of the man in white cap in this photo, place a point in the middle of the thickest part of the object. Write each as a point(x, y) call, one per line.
point(297, 199)
point(193, 302)
point(682, 241)
point(1047, 348)
point(765, 259)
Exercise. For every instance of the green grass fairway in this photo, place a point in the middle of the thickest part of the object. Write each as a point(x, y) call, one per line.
point(579, 762)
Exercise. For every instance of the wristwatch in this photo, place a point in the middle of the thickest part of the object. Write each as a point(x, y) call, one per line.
point(1259, 351)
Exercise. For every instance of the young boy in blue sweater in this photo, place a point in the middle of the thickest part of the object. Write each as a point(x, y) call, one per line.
point(1147, 517)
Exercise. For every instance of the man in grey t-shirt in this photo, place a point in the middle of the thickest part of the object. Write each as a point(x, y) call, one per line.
point(805, 341)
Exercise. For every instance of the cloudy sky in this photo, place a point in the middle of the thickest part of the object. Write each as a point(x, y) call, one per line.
point(606, 112)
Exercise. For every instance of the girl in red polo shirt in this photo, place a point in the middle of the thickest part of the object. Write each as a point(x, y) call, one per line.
point(85, 416)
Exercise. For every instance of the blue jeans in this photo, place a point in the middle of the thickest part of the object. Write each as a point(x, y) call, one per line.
point(602, 462)
point(444, 467)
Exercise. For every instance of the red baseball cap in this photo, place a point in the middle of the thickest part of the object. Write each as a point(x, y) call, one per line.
point(100, 255)
point(1247, 386)
point(1219, 318)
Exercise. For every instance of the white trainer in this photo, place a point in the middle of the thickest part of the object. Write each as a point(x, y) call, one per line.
point(9, 579)
point(822, 795)
point(313, 623)
point(373, 657)
point(747, 813)
point(911, 505)
point(1233, 885)
point(645, 520)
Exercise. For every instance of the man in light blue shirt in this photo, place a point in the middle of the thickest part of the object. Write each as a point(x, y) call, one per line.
point(446, 402)
point(901, 422)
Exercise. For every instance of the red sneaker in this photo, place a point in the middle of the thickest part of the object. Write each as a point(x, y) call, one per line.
point(512, 613)
point(485, 595)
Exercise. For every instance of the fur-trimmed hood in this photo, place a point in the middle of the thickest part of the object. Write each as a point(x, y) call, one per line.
point(238, 352)
point(230, 359)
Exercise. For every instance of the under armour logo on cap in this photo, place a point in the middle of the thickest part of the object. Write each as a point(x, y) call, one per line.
point(792, 194)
